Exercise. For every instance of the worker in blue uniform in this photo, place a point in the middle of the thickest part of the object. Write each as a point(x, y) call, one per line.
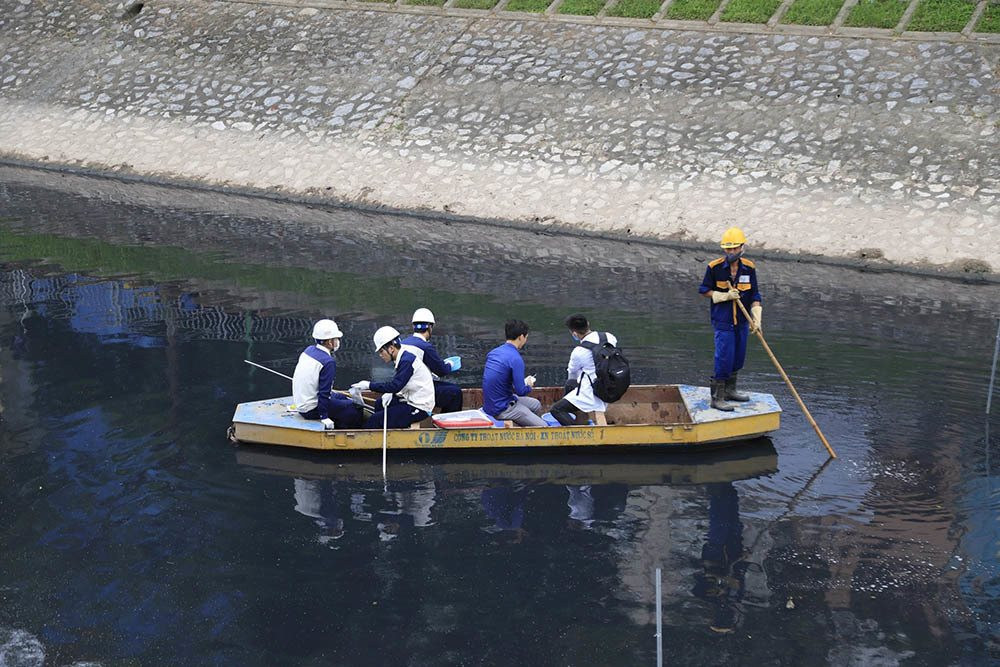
point(409, 395)
point(312, 381)
point(447, 395)
point(505, 387)
point(728, 279)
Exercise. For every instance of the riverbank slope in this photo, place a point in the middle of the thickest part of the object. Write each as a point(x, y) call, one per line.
point(840, 146)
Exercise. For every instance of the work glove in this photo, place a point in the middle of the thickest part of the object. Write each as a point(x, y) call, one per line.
point(756, 315)
point(454, 363)
point(530, 381)
point(386, 400)
point(364, 385)
point(328, 423)
point(729, 295)
point(355, 393)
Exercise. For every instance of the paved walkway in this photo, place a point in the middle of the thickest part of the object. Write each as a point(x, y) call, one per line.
point(836, 145)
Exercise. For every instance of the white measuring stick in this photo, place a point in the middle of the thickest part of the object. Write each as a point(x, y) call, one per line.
point(287, 377)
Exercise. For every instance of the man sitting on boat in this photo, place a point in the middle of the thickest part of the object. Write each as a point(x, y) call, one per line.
point(581, 373)
point(447, 395)
point(312, 382)
point(411, 388)
point(505, 388)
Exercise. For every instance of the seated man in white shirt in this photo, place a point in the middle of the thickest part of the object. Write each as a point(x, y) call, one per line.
point(312, 382)
point(580, 375)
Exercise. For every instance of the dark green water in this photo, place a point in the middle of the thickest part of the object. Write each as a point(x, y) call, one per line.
point(133, 532)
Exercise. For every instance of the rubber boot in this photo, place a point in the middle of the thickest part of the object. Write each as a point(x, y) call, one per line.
point(732, 394)
point(718, 389)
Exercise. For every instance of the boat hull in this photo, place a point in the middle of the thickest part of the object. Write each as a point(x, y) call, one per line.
point(692, 422)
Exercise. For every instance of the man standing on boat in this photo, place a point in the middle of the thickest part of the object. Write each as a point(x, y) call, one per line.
point(312, 382)
point(727, 279)
point(581, 373)
point(505, 388)
point(447, 395)
point(411, 388)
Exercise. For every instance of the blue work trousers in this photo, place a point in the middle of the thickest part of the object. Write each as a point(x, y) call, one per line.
point(447, 396)
point(730, 348)
point(401, 415)
point(343, 411)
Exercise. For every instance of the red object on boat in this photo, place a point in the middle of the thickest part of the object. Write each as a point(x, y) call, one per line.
point(463, 419)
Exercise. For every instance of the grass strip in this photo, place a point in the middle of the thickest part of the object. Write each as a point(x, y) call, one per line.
point(535, 6)
point(581, 7)
point(635, 9)
point(941, 15)
point(876, 14)
point(990, 20)
point(475, 4)
point(692, 10)
point(749, 11)
point(427, 3)
point(812, 12)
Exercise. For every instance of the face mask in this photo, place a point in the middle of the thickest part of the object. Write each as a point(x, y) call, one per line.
point(336, 344)
point(575, 337)
point(733, 257)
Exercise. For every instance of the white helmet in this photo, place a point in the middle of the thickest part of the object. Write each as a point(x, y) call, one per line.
point(423, 316)
point(326, 329)
point(384, 336)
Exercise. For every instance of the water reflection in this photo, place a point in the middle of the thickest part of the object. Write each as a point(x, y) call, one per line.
point(722, 578)
point(526, 501)
point(135, 533)
point(318, 500)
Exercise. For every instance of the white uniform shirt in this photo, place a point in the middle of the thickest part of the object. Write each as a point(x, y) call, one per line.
point(305, 381)
point(581, 368)
point(419, 391)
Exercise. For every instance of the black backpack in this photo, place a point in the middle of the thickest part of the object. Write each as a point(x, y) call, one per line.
point(613, 373)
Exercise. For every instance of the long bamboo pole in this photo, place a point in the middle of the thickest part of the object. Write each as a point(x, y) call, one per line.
point(791, 387)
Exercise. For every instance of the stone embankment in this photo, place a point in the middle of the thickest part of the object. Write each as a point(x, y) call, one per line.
point(842, 146)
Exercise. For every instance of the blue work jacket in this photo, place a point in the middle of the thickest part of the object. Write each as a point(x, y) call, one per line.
point(432, 359)
point(717, 278)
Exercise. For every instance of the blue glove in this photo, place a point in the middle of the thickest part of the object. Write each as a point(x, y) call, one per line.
point(454, 363)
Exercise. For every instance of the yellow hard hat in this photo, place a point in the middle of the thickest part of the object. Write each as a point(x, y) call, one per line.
point(733, 238)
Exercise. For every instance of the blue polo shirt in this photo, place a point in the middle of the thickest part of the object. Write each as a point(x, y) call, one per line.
point(718, 278)
point(503, 377)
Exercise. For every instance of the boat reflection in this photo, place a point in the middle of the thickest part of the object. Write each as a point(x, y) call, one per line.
point(635, 467)
point(639, 510)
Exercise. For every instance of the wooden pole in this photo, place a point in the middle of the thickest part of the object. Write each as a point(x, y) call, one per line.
point(791, 387)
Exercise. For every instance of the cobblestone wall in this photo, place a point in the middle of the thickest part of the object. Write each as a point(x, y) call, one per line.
point(838, 146)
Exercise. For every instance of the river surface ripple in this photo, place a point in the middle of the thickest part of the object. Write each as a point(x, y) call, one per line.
point(133, 532)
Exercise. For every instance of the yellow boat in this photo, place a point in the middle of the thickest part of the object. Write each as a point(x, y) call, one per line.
point(647, 415)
